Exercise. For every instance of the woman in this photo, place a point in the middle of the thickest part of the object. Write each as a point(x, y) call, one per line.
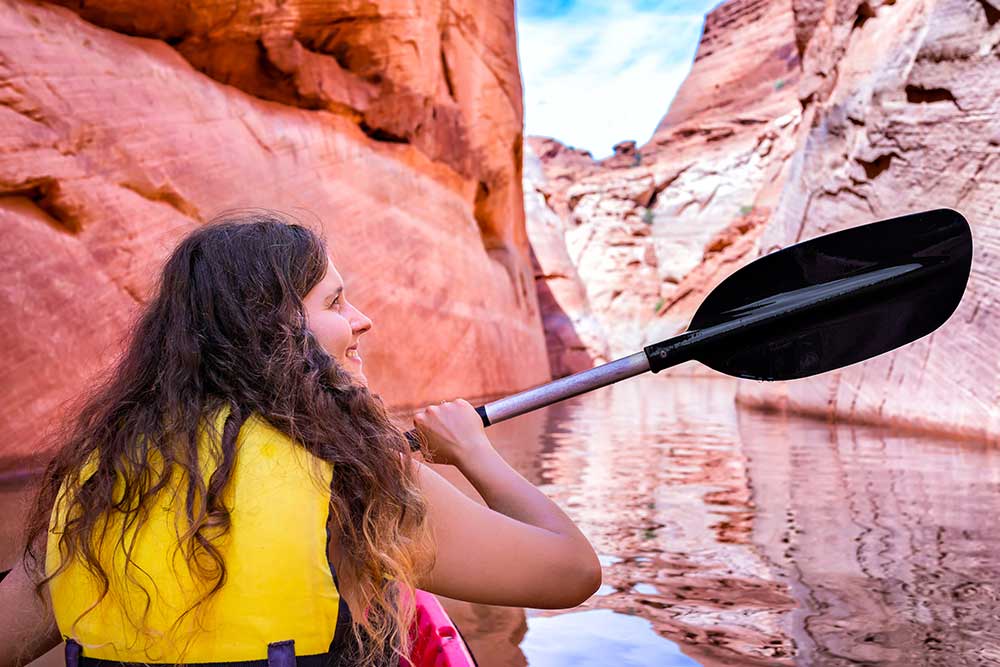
point(234, 493)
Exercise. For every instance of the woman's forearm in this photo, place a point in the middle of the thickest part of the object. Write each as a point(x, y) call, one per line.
point(458, 480)
point(27, 628)
point(507, 492)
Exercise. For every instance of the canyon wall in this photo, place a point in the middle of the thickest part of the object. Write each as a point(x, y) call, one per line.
point(799, 118)
point(902, 114)
point(650, 227)
point(394, 127)
point(574, 337)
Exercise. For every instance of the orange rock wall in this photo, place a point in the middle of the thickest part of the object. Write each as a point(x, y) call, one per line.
point(396, 126)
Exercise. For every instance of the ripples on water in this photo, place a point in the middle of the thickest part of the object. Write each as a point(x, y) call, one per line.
point(731, 537)
point(745, 538)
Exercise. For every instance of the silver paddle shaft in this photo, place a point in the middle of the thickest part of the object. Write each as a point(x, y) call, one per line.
point(567, 387)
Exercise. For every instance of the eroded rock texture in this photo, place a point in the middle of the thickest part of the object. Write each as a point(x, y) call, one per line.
point(395, 126)
point(574, 337)
point(902, 114)
point(802, 117)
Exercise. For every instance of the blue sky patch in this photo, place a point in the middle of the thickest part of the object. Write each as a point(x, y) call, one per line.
point(597, 72)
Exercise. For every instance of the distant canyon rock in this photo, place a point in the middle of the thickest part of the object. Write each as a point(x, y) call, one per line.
point(801, 117)
point(394, 126)
point(651, 227)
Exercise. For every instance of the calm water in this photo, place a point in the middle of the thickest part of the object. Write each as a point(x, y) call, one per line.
point(731, 537)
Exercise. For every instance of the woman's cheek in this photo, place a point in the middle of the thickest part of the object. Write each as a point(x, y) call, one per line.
point(339, 336)
point(322, 333)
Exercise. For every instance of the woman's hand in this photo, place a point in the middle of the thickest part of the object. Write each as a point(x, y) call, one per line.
point(453, 431)
point(557, 567)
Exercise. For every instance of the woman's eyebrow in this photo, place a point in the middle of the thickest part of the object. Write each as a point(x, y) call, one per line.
point(336, 292)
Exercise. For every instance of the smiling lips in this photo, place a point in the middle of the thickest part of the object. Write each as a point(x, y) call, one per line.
point(352, 353)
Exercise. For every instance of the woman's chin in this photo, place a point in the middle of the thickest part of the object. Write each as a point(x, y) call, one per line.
point(359, 378)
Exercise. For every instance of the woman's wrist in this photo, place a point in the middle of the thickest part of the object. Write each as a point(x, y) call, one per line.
point(474, 454)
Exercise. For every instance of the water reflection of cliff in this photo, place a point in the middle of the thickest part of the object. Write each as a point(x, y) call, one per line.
point(888, 542)
point(652, 471)
point(752, 538)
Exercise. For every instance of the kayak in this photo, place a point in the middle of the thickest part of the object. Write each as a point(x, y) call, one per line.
point(438, 642)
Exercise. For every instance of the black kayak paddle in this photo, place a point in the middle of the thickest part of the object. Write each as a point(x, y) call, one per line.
point(812, 307)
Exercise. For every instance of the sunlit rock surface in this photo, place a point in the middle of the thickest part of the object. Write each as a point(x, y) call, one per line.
point(574, 337)
point(902, 114)
point(802, 117)
point(638, 223)
point(395, 126)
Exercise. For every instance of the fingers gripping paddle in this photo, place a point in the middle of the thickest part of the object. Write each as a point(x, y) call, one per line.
point(812, 307)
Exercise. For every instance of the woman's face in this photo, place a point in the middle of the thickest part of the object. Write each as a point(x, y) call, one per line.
point(335, 323)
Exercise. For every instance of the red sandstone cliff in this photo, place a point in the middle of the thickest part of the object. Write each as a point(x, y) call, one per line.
point(397, 125)
point(801, 117)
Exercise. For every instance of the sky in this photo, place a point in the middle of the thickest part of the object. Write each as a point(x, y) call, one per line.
point(597, 72)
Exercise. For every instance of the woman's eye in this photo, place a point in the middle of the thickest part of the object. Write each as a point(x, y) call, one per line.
point(335, 302)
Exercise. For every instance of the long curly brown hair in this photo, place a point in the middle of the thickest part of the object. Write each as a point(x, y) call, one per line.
point(227, 327)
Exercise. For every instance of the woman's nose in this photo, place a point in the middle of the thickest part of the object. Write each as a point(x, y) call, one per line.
point(363, 324)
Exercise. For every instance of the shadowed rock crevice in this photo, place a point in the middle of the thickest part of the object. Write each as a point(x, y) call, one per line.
point(873, 168)
point(446, 73)
point(496, 247)
point(807, 14)
point(378, 134)
point(17, 103)
point(649, 199)
point(479, 211)
point(253, 67)
point(992, 12)
point(173, 26)
point(865, 12)
point(921, 95)
point(46, 194)
point(164, 194)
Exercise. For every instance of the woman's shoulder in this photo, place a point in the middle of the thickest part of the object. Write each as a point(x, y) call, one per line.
point(254, 426)
point(258, 437)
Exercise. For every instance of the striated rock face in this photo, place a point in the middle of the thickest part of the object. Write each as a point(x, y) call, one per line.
point(649, 229)
point(394, 126)
point(902, 114)
point(799, 118)
point(574, 337)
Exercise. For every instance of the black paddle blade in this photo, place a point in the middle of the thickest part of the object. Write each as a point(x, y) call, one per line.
point(837, 299)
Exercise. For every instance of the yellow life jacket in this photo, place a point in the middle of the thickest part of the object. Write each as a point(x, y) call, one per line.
point(280, 585)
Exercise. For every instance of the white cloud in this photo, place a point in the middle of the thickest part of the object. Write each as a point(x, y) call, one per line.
point(603, 73)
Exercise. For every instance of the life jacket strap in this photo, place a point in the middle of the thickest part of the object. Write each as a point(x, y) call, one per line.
point(279, 654)
point(73, 653)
